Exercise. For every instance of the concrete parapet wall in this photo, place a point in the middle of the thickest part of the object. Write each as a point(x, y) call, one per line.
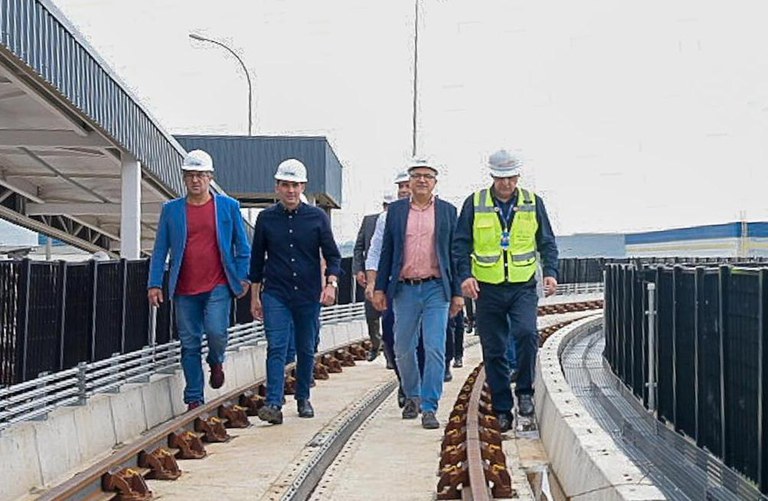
point(586, 460)
point(39, 454)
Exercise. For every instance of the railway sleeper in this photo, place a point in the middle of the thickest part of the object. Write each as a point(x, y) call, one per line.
point(497, 475)
point(234, 416)
point(128, 483)
point(213, 429)
point(188, 443)
point(161, 463)
point(451, 477)
point(252, 402)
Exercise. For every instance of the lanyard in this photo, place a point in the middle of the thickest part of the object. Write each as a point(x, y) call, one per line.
point(507, 218)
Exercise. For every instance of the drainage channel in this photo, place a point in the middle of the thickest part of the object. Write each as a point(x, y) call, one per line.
point(302, 477)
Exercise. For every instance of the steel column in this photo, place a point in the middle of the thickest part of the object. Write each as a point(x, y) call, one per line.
point(130, 208)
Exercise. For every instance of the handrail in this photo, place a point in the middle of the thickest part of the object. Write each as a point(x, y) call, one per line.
point(34, 399)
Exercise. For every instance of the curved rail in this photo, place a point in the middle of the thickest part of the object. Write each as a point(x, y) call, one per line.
point(473, 465)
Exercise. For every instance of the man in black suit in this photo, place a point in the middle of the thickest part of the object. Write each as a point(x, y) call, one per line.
point(372, 315)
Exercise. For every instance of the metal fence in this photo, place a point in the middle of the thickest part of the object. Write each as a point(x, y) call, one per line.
point(36, 398)
point(56, 314)
point(708, 353)
point(584, 270)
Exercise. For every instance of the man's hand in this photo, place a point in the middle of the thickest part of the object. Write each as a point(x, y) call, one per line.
point(257, 310)
point(328, 295)
point(369, 292)
point(470, 288)
point(550, 286)
point(379, 300)
point(360, 277)
point(155, 296)
point(246, 285)
point(457, 304)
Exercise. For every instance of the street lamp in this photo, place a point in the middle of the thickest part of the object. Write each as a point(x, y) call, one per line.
point(415, 75)
point(200, 38)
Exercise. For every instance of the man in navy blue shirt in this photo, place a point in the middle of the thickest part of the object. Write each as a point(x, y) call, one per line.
point(287, 286)
point(499, 235)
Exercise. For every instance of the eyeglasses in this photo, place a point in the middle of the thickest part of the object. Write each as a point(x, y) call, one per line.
point(428, 177)
point(192, 175)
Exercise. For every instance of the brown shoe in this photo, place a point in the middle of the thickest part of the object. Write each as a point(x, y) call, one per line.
point(217, 376)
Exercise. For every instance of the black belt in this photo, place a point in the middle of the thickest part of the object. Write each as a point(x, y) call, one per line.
point(416, 281)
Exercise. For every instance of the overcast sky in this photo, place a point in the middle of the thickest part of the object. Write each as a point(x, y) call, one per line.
point(630, 116)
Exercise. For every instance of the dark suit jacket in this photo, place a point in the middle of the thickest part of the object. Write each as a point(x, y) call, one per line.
point(391, 261)
point(364, 235)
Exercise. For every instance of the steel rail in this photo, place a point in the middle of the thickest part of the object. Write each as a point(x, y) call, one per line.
point(478, 486)
point(90, 479)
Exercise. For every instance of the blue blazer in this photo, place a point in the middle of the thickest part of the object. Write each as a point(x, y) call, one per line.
point(391, 261)
point(172, 237)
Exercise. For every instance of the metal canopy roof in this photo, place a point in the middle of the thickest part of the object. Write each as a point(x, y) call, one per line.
point(245, 165)
point(66, 121)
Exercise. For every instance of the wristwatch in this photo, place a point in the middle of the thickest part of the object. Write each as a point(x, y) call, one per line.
point(333, 284)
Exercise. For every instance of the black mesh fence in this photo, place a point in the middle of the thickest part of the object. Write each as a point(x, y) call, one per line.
point(9, 321)
point(78, 313)
point(136, 314)
point(55, 315)
point(108, 336)
point(711, 331)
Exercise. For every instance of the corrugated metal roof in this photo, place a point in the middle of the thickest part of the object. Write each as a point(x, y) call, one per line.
point(245, 165)
point(38, 38)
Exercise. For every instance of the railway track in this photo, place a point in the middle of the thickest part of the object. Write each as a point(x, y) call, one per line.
point(122, 475)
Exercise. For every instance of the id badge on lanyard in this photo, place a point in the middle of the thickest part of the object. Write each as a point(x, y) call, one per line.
point(505, 240)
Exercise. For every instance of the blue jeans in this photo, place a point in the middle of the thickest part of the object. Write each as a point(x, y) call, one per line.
point(283, 320)
point(421, 308)
point(197, 314)
point(504, 311)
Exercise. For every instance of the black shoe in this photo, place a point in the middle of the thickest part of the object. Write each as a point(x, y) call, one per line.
point(429, 421)
point(271, 414)
point(448, 376)
point(400, 397)
point(525, 405)
point(372, 355)
point(505, 421)
point(458, 362)
point(411, 409)
point(513, 375)
point(305, 409)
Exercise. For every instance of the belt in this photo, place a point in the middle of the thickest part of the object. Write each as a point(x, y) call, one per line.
point(416, 281)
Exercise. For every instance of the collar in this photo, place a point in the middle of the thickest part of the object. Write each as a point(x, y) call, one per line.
point(429, 204)
point(286, 210)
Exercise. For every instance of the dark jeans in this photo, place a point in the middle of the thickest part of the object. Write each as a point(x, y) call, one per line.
point(502, 311)
point(454, 339)
point(283, 320)
point(373, 319)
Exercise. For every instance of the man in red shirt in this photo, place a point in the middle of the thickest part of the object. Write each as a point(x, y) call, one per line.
point(209, 255)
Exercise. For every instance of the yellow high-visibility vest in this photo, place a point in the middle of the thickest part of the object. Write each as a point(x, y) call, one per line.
point(488, 256)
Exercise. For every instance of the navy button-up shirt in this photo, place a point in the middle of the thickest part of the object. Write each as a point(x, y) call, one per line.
point(285, 255)
point(462, 237)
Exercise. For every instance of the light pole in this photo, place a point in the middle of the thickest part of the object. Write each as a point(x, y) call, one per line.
point(415, 75)
point(195, 36)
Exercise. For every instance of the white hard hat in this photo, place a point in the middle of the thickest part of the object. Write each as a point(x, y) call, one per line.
point(402, 177)
point(417, 162)
point(197, 160)
point(504, 164)
point(291, 170)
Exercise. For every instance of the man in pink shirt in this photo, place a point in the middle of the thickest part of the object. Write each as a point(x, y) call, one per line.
point(416, 271)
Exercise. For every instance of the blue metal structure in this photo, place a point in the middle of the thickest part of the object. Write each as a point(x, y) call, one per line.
point(245, 165)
